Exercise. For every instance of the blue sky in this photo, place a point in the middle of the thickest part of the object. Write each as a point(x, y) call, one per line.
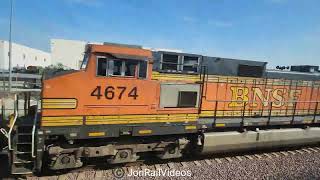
point(281, 32)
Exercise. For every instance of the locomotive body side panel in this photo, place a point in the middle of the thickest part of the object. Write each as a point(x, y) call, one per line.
point(259, 96)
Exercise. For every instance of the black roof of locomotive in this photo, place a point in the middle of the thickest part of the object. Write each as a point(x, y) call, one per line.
point(230, 67)
point(292, 75)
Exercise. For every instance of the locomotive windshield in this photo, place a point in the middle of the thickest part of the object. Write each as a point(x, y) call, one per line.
point(84, 61)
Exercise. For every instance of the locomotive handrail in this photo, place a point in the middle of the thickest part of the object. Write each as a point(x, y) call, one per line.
point(243, 113)
point(4, 132)
point(203, 73)
point(262, 101)
point(269, 115)
point(34, 131)
point(315, 112)
point(215, 113)
point(12, 125)
point(294, 112)
point(270, 110)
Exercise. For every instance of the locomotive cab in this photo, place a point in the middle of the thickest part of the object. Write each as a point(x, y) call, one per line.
point(117, 65)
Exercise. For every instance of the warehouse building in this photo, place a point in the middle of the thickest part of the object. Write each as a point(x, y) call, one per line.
point(67, 52)
point(22, 56)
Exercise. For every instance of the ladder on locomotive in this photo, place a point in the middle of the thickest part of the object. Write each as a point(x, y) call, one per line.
point(21, 140)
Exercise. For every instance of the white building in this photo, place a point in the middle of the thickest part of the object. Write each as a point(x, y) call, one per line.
point(67, 52)
point(22, 56)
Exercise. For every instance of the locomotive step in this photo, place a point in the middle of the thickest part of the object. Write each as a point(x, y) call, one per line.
point(23, 159)
point(20, 161)
point(24, 134)
point(24, 143)
point(23, 152)
point(21, 170)
point(21, 166)
point(25, 129)
point(24, 138)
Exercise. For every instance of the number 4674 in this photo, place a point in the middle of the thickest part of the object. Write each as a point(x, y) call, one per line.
point(115, 92)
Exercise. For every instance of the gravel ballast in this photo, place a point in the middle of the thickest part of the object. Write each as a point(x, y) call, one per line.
point(284, 166)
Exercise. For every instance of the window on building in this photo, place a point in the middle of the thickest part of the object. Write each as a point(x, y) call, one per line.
point(187, 99)
point(190, 63)
point(170, 62)
point(23, 56)
point(44, 59)
point(35, 58)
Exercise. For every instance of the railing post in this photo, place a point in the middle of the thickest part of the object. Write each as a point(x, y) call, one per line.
point(2, 119)
point(29, 99)
point(294, 112)
point(243, 113)
point(25, 103)
point(201, 69)
point(270, 112)
point(202, 79)
point(17, 104)
point(34, 131)
point(3, 111)
point(215, 114)
point(12, 125)
point(315, 113)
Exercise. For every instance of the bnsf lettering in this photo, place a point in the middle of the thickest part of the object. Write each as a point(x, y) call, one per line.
point(111, 92)
point(278, 96)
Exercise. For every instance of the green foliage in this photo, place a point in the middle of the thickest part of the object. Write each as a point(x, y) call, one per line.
point(57, 67)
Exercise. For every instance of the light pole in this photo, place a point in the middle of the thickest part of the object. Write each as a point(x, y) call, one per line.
point(10, 47)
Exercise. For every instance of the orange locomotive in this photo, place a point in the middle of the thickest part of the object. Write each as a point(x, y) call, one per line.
point(127, 101)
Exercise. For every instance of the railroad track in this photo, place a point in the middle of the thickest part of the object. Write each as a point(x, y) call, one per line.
point(99, 171)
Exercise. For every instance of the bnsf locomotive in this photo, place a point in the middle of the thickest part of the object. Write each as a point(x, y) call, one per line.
point(127, 102)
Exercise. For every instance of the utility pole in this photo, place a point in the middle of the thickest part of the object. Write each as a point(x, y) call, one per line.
point(10, 47)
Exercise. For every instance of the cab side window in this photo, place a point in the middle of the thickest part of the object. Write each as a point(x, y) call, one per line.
point(121, 67)
point(143, 65)
point(116, 69)
point(130, 68)
point(102, 67)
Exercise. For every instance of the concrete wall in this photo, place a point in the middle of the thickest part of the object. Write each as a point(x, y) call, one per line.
point(22, 56)
point(170, 93)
